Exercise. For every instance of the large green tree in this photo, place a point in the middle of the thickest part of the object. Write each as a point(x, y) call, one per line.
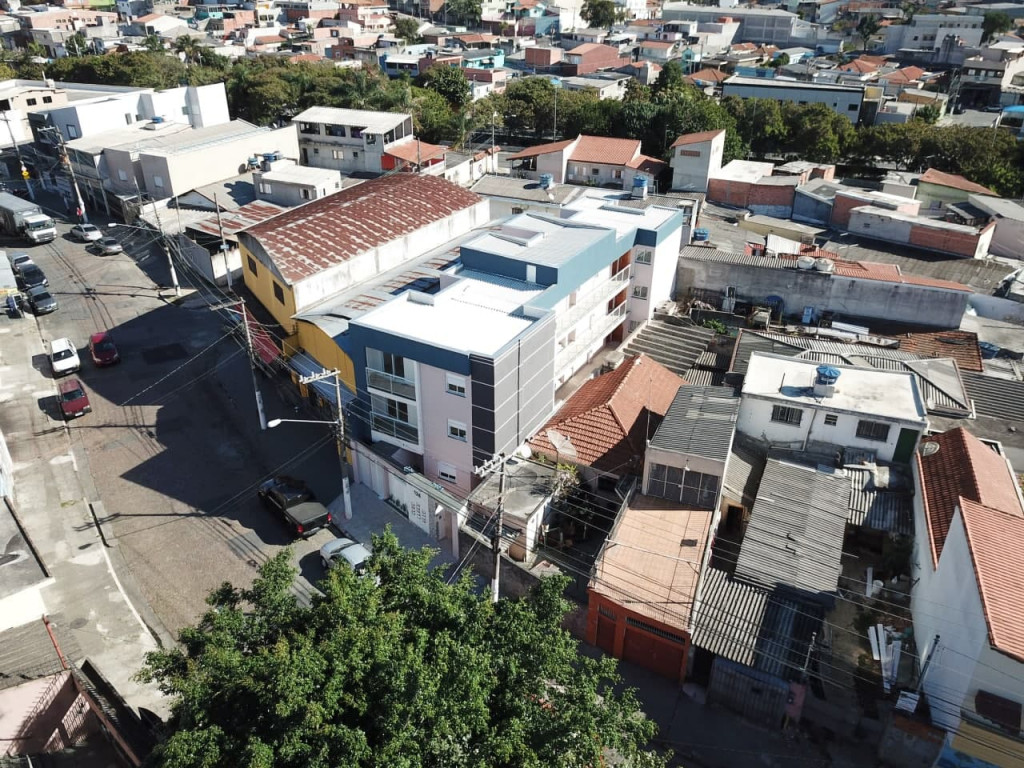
point(394, 668)
point(469, 11)
point(448, 81)
point(600, 14)
point(995, 22)
point(868, 27)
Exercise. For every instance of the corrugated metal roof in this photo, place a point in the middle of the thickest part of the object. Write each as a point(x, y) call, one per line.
point(992, 396)
point(754, 626)
point(27, 653)
point(744, 469)
point(700, 422)
point(878, 508)
point(795, 534)
point(307, 240)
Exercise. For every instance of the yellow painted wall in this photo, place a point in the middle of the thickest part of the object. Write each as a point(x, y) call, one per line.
point(326, 351)
point(262, 285)
point(988, 745)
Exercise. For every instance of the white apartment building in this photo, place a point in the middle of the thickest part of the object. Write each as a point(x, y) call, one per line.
point(798, 404)
point(351, 140)
point(926, 31)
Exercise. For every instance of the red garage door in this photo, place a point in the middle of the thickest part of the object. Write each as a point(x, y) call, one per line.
point(654, 649)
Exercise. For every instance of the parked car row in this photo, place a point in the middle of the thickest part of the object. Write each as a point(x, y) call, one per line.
point(65, 360)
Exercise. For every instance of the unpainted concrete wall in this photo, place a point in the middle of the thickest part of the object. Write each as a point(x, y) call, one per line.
point(854, 298)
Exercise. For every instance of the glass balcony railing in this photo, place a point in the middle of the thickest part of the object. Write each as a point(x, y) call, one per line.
point(586, 337)
point(586, 304)
point(395, 428)
point(390, 384)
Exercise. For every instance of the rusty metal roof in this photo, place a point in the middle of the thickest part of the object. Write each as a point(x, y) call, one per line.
point(238, 219)
point(307, 240)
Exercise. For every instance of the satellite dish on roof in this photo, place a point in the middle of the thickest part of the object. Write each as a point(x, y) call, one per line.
point(929, 449)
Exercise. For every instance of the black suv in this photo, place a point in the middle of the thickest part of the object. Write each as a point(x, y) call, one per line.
point(31, 276)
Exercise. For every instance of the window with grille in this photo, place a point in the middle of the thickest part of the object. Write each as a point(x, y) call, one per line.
point(873, 430)
point(694, 489)
point(782, 414)
point(831, 420)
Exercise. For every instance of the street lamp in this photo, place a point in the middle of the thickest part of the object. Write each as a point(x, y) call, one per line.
point(339, 426)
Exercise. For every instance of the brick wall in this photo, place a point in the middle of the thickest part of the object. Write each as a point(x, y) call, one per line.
point(960, 243)
point(771, 194)
point(841, 210)
point(729, 192)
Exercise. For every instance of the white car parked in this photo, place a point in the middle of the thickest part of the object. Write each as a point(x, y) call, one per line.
point(86, 232)
point(63, 357)
point(347, 550)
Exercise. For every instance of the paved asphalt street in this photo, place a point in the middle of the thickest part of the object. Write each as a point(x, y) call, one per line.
point(166, 465)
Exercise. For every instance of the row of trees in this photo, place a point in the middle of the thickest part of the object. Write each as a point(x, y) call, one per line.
point(270, 90)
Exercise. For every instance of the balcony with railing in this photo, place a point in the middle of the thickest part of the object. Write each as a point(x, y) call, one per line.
point(592, 300)
point(587, 336)
point(390, 384)
point(388, 426)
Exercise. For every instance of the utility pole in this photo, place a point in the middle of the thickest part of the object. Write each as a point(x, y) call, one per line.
point(79, 202)
point(21, 162)
point(807, 658)
point(167, 249)
point(340, 428)
point(223, 243)
point(485, 468)
point(229, 305)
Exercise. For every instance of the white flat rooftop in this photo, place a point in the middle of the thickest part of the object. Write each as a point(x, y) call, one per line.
point(471, 316)
point(537, 239)
point(375, 122)
point(603, 211)
point(870, 392)
point(302, 174)
point(745, 170)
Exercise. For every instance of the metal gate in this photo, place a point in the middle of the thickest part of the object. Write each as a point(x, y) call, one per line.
point(654, 649)
point(755, 695)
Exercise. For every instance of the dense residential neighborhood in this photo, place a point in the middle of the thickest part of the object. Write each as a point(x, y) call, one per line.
point(512, 382)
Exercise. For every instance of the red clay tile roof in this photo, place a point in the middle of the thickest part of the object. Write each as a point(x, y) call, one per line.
point(962, 468)
point(996, 542)
point(873, 270)
point(651, 165)
point(654, 569)
point(961, 346)
point(657, 44)
point(696, 138)
point(905, 75)
point(541, 149)
point(585, 48)
point(599, 149)
point(708, 75)
point(931, 176)
point(859, 65)
point(307, 240)
point(610, 418)
point(416, 151)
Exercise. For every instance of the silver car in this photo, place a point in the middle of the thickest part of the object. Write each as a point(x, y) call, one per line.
point(40, 300)
point(344, 550)
point(108, 246)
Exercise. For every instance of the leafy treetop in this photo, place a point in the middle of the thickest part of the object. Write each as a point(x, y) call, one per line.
point(394, 668)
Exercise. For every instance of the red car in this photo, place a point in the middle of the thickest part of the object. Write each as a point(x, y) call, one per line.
point(74, 402)
point(102, 349)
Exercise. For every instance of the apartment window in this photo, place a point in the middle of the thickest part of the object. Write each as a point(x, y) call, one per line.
point(308, 128)
point(616, 174)
point(446, 472)
point(316, 151)
point(831, 420)
point(338, 154)
point(782, 414)
point(640, 292)
point(72, 131)
point(158, 181)
point(279, 293)
point(456, 430)
point(852, 108)
point(398, 410)
point(387, 362)
point(355, 155)
point(47, 99)
point(357, 133)
point(455, 385)
point(338, 131)
point(252, 265)
point(306, 194)
point(595, 171)
point(873, 430)
point(643, 257)
point(371, 138)
point(516, 209)
point(30, 102)
point(265, 189)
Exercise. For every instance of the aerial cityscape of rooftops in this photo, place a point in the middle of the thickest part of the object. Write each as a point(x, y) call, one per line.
point(493, 383)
